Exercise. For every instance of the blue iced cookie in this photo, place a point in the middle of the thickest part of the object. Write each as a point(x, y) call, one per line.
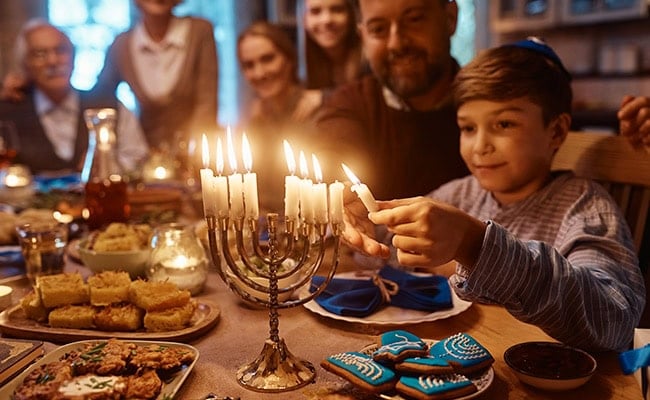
point(397, 345)
point(463, 353)
point(361, 370)
point(432, 387)
point(427, 365)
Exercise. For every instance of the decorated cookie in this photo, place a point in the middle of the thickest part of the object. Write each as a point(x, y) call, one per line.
point(361, 370)
point(397, 345)
point(427, 365)
point(432, 387)
point(463, 353)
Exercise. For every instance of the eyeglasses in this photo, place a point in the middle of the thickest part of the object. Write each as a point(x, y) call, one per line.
point(40, 54)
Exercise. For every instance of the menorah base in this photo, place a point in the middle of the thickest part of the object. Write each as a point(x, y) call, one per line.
point(276, 370)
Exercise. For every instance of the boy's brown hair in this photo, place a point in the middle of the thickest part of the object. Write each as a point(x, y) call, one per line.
point(511, 72)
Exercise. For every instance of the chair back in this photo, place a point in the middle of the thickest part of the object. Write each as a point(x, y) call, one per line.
point(622, 169)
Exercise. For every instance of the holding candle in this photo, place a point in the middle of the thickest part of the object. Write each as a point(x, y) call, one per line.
point(250, 182)
point(361, 190)
point(291, 185)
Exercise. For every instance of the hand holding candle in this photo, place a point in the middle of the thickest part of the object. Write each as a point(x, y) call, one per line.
point(361, 190)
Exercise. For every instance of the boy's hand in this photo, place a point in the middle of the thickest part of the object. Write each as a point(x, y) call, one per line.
point(634, 120)
point(429, 233)
point(359, 232)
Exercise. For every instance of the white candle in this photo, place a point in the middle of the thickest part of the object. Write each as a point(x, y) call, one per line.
point(220, 184)
point(235, 183)
point(181, 261)
point(336, 202)
point(306, 207)
point(319, 194)
point(361, 190)
point(206, 181)
point(250, 182)
point(291, 186)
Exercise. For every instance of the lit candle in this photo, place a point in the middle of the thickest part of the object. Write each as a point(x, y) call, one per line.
point(250, 182)
point(220, 184)
point(336, 202)
point(319, 194)
point(206, 181)
point(180, 261)
point(291, 185)
point(234, 182)
point(306, 208)
point(361, 190)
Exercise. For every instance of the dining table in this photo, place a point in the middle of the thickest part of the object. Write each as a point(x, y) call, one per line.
point(241, 330)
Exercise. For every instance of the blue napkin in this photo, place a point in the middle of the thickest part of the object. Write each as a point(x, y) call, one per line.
point(46, 183)
point(363, 297)
point(634, 359)
point(11, 262)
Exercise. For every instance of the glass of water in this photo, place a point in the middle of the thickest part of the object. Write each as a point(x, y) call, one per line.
point(43, 247)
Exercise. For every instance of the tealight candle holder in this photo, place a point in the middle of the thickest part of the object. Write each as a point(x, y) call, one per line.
point(16, 184)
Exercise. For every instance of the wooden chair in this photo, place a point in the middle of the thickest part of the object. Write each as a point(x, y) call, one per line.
point(623, 170)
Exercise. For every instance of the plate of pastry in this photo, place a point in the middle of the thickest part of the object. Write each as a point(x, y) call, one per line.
point(110, 368)
point(64, 308)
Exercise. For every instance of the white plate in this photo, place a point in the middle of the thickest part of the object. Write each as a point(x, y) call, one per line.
point(482, 380)
point(389, 315)
point(169, 387)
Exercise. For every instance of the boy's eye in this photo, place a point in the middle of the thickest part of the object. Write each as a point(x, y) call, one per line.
point(505, 124)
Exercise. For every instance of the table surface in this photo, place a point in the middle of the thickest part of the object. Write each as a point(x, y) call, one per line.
point(239, 336)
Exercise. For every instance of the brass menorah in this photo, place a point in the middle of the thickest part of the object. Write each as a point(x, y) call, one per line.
point(275, 369)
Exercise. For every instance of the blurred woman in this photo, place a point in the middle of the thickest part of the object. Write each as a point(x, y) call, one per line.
point(332, 50)
point(170, 63)
point(282, 107)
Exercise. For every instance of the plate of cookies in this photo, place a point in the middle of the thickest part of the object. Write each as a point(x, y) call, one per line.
point(106, 368)
point(64, 308)
point(402, 366)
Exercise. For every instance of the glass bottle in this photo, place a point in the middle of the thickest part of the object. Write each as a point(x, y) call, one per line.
point(105, 184)
point(178, 256)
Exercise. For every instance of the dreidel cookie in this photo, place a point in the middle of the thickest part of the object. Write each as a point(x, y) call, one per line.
point(397, 345)
point(463, 353)
point(435, 387)
point(361, 370)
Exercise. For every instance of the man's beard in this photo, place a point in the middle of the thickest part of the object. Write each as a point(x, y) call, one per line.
point(412, 84)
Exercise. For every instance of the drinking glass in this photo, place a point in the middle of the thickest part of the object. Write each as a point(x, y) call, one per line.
point(43, 247)
point(8, 143)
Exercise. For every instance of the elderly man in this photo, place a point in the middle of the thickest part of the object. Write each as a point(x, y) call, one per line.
point(397, 128)
point(49, 119)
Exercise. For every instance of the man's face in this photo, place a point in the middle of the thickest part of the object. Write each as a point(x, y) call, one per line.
point(49, 60)
point(407, 42)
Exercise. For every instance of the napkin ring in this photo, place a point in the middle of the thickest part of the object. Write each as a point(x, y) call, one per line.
point(387, 288)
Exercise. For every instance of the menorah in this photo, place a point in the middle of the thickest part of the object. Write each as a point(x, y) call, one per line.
point(275, 369)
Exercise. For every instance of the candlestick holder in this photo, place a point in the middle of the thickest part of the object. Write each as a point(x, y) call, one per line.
point(275, 369)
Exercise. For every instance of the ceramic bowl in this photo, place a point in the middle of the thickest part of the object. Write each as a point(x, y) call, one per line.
point(282, 283)
point(550, 366)
point(133, 261)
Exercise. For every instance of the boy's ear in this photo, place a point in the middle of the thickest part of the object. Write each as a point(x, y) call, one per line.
point(559, 129)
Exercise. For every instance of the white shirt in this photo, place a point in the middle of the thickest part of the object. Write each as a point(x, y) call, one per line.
point(158, 65)
point(60, 125)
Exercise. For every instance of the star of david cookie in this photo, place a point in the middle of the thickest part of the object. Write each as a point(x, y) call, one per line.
point(463, 353)
point(434, 387)
point(397, 345)
point(361, 370)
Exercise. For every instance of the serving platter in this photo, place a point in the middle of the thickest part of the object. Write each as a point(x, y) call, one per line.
point(14, 323)
point(170, 385)
point(388, 315)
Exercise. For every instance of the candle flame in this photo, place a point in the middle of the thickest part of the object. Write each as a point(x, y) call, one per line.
point(232, 159)
point(220, 161)
point(104, 135)
point(205, 152)
point(288, 154)
point(353, 178)
point(317, 171)
point(246, 153)
point(304, 171)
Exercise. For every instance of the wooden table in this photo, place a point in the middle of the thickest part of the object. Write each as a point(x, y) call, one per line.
point(238, 338)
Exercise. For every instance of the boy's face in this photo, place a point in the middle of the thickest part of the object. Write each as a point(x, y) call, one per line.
point(507, 147)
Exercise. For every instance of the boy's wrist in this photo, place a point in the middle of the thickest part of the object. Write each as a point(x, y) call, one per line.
point(470, 248)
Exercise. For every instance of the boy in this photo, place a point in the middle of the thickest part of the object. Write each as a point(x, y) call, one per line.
point(552, 248)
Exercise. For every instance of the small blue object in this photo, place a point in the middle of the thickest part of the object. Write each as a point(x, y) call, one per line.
point(538, 45)
point(634, 359)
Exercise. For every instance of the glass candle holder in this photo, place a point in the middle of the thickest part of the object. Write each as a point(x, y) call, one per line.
point(178, 256)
